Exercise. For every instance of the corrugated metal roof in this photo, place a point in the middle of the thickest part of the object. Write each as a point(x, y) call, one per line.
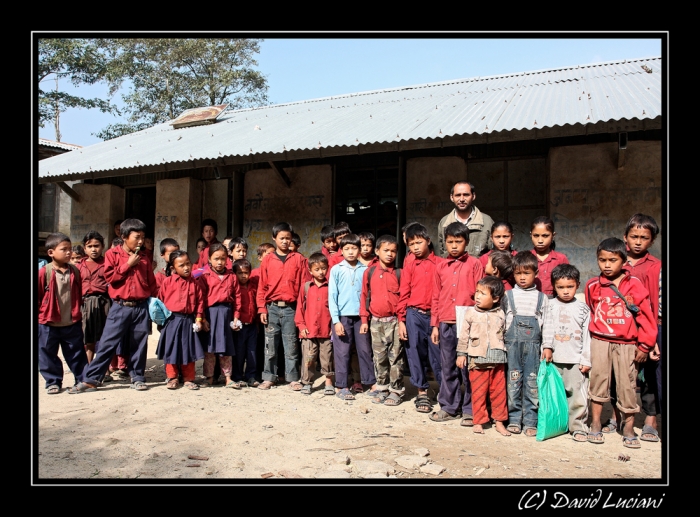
point(59, 145)
point(578, 95)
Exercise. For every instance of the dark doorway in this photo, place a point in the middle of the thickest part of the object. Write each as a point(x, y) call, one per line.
point(367, 199)
point(141, 204)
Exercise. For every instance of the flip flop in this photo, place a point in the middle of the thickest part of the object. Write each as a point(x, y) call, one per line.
point(329, 390)
point(514, 429)
point(443, 416)
point(579, 433)
point(467, 421)
point(53, 390)
point(82, 387)
point(233, 384)
point(141, 386)
point(596, 437)
point(380, 397)
point(631, 442)
point(266, 385)
point(647, 429)
point(610, 427)
point(344, 394)
point(191, 385)
point(295, 386)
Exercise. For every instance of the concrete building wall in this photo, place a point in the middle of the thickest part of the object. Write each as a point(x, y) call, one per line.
point(306, 205)
point(428, 184)
point(591, 199)
point(99, 207)
point(215, 204)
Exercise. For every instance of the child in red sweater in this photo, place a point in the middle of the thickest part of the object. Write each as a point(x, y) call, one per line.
point(245, 336)
point(542, 234)
point(620, 340)
point(96, 301)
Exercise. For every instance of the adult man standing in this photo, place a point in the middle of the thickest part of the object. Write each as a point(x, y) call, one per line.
point(479, 224)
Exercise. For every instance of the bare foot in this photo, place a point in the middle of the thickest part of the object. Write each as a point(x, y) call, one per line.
point(502, 429)
point(478, 429)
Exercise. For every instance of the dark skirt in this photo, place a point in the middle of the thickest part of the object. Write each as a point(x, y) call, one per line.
point(95, 309)
point(219, 339)
point(178, 343)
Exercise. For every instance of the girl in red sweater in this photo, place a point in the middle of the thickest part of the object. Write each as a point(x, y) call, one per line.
point(542, 234)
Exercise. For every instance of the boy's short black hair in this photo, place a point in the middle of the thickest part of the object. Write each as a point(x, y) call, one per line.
point(613, 245)
point(209, 222)
point(493, 284)
point(117, 241)
point(237, 241)
point(93, 235)
point(262, 249)
point(503, 261)
point(79, 250)
point(525, 260)
point(55, 239)
point(341, 228)
point(131, 225)
point(457, 229)
point(296, 239)
point(351, 239)
point(386, 238)
point(367, 236)
point(317, 258)
point(646, 222)
point(281, 227)
point(166, 243)
point(416, 230)
point(407, 225)
point(566, 272)
point(327, 232)
point(240, 264)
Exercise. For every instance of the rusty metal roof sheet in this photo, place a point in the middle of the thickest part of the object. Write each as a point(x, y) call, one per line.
point(490, 107)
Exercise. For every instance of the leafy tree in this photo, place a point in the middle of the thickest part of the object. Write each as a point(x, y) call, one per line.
point(78, 60)
point(168, 76)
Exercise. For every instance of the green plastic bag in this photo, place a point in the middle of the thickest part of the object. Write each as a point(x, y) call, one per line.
point(553, 412)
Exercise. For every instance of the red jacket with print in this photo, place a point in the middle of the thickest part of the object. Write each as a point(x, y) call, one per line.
point(610, 318)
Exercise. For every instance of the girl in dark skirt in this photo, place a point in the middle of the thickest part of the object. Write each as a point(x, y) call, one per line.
point(179, 347)
point(222, 297)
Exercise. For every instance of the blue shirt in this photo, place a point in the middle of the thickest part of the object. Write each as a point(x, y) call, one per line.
point(344, 288)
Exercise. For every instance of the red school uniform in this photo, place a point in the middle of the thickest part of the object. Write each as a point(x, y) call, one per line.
point(221, 289)
point(610, 319)
point(203, 258)
point(49, 309)
point(92, 275)
point(417, 278)
point(383, 289)
point(454, 284)
point(312, 312)
point(182, 295)
point(248, 308)
point(543, 282)
point(648, 270)
point(129, 283)
point(334, 259)
point(280, 279)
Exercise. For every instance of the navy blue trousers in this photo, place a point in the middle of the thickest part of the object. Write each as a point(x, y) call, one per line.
point(123, 323)
point(245, 342)
point(342, 346)
point(451, 398)
point(70, 339)
point(420, 350)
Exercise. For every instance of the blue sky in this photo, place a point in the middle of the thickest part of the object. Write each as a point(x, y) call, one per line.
point(303, 68)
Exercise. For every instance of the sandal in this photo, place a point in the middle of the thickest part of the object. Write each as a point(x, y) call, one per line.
point(649, 430)
point(394, 399)
point(530, 431)
point(467, 421)
point(373, 393)
point(306, 389)
point(53, 389)
point(234, 384)
point(380, 397)
point(443, 416)
point(243, 384)
point(344, 394)
point(423, 404)
point(357, 388)
point(514, 429)
point(172, 384)
point(266, 385)
point(595, 437)
point(82, 387)
point(139, 386)
point(631, 441)
point(108, 378)
point(253, 383)
point(295, 386)
point(610, 427)
point(329, 390)
point(582, 434)
point(191, 385)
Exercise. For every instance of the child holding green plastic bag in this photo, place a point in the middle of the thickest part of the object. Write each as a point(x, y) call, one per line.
point(567, 342)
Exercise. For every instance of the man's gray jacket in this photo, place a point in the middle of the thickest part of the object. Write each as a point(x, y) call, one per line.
point(479, 232)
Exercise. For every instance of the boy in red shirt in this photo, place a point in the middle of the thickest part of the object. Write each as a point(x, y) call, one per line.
point(454, 285)
point(378, 308)
point(330, 245)
point(620, 340)
point(418, 277)
point(340, 230)
point(245, 337)
point(313, 319)
point(131, 282)
point(60, 319)
point(282, 273)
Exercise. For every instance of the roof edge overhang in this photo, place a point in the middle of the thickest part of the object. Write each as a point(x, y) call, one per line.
point(567, 130)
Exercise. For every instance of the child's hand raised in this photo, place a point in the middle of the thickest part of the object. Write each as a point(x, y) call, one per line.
point(134, 258)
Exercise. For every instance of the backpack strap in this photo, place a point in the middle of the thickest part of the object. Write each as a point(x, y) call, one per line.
point(48, 268)
point(306, 293)
point(370, 271)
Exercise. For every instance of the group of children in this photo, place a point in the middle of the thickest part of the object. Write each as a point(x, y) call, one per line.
point(480, 324)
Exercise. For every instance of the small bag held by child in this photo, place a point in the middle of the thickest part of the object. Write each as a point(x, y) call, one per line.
point(158, 311)
point(553, 412)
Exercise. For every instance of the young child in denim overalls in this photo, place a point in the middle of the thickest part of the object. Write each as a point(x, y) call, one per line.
point(524, 307)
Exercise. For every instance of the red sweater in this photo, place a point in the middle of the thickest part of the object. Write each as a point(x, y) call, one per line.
point(129, 283)
point(648, 270)
point(313, 314)
point(216, 290)
point(454, 284)
point(543, 282)
point(280, 281)
point(182, 295)
point(384, 293)
point(417, 279)
point(248, 294)
point(93, 276)
point(610, 319)
point(48, 299)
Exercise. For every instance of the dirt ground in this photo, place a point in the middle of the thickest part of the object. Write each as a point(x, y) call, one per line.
point(220, 434)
